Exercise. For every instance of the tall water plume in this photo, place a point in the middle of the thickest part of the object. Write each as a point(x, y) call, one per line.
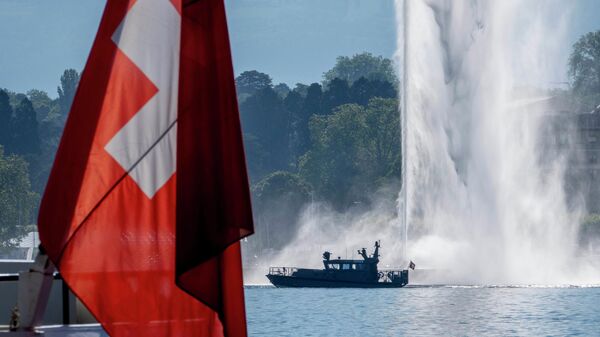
point(482, 195)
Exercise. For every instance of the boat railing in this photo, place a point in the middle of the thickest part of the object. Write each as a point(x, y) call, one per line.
point(392, 275)
point(282, 271)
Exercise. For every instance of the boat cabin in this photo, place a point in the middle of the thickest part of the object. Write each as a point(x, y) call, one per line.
point(368, 263)
point(346, 265)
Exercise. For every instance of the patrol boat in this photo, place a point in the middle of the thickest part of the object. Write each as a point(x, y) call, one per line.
point(338, 273)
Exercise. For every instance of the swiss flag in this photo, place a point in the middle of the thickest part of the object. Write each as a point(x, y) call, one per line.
point(148, 197)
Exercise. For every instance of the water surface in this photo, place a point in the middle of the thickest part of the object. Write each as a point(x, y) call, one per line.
point(424, 311)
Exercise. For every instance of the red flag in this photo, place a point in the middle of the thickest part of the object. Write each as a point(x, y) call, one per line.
point(149, 187)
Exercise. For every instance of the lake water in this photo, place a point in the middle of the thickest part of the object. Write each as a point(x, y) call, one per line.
point(424, 311)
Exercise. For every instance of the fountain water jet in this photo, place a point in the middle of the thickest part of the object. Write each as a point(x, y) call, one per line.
point(479, 196)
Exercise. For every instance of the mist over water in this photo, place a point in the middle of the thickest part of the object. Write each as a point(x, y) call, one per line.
point(484, 195)
point(483, 199)
point(321, 228)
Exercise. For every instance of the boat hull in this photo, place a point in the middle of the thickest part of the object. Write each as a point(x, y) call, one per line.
point(281, 281)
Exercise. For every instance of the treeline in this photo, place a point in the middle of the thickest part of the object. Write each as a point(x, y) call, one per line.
point(30, 128)
point(336, 142)
point(584, 72)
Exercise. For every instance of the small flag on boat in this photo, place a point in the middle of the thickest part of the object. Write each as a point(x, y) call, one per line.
point(148, 196)
point(411, 265)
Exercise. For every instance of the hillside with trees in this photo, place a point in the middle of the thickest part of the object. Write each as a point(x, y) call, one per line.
point(30, 128)
point(584, 71)
point(335, 142)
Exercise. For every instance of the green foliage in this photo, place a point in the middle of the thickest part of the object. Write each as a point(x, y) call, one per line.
point(293, 102)
point(17, 202)
point(383, 137)
point(278, 200)
point(278, 184)
point(301, 89)
point(343, 140)
point(282, 90)
point(249, 82)
point(35, 126)
point(584, 64)
point(590, 229)
point(310, 105)
point(344, 150)
point(584, 74)
point(25, 129)
point(361, 65)
point(256, 157)
point(364, 89)
point(42, 104)
point(66, 91)
point(50, 131)
point(264, 116)
point(15, 98)
point(337, 93)
point(30, 128)
point(353, 151)
point(6, 115)
point(334, 162)
point(312, 101)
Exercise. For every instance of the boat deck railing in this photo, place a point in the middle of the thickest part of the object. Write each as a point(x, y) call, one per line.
point(282, 271)
point(392, 275)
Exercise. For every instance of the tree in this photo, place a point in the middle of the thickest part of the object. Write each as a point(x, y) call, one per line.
point(14, 97)
point(293, 102)
point(337, 93)
point(302, 89)
point(256, 157)
point(364, 89)
point(40, 164)
point(282, 90)
point(589, 231)
point(42, 104)
point(66, 91)
point(353, 152)
point(25, 136)
point(311, 105)
point(17, 201)
point(51, 123)
point(332, 165)
point(6, 115)
point(264, 116)
point(249, 82)
point(584, 64)
point(384, 137)
point(278, 200)
point(312, 101)
point(361, 65)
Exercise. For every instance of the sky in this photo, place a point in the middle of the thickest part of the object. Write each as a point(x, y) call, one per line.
point(291, 40)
